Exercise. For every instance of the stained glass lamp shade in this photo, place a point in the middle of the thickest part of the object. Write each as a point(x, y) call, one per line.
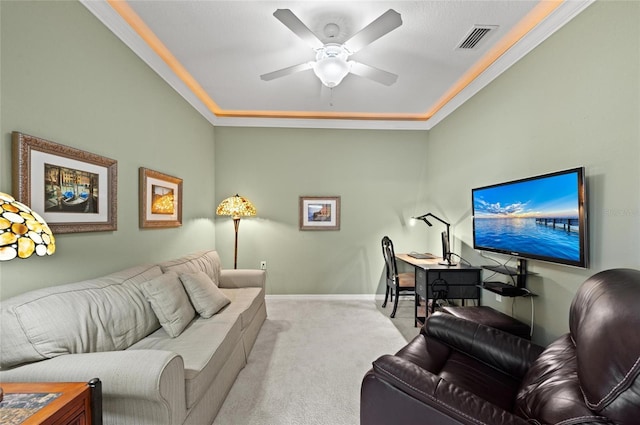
point(22, 231)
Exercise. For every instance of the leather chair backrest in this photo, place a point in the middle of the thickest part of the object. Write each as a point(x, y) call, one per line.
point(604, 324)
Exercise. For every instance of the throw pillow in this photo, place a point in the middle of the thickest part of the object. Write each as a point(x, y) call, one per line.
point(169, 302)
point(205, 296)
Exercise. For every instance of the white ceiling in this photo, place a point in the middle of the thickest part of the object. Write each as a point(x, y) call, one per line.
point(213, 53)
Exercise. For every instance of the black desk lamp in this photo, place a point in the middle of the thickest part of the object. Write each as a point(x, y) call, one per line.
point(446, 247)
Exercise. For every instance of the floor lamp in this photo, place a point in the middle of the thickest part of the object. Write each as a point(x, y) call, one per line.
point(236, 206)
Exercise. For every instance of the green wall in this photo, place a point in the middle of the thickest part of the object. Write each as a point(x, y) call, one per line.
point(379, 175)
point(68, 79)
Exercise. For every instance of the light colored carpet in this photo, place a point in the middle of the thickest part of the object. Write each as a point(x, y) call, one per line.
point(308, 362)
point(404, 320)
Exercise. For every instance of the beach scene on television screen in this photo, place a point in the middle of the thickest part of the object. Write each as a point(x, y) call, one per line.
point(538, 217)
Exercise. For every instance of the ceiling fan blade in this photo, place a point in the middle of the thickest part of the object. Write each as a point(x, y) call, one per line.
point(384, 24)
point(286, 71)
point(375, 74)
point(292, 22)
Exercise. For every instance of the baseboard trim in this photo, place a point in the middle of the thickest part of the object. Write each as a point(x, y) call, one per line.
point(326, 297)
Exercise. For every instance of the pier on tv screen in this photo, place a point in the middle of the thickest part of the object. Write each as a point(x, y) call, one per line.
point(540, 217)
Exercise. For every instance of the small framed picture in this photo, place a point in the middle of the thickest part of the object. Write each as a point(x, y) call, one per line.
point(319, 213)
point(160, 199)
point(73, 190)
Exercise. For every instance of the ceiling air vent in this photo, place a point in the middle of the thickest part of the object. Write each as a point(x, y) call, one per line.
point(475, 36)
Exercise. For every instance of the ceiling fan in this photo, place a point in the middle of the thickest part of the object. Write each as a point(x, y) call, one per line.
point(332, 64)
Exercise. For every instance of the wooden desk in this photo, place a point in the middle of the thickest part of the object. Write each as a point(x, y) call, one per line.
point(52, 403)
point(460, 282)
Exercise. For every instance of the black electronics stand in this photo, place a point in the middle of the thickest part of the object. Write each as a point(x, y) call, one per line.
point(505, 289)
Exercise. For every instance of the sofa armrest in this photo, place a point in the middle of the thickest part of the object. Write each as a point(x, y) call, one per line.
point(134, 382)
point(242, 278)
point(509, 353)
point(433, 400)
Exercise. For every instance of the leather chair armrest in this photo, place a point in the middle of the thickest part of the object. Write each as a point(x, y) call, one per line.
point(440, 399)
point(509, 353)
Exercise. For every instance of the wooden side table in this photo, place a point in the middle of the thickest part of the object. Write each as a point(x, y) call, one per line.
point(52, 403)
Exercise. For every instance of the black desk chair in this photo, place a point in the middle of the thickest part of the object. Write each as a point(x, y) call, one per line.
point(398, 282)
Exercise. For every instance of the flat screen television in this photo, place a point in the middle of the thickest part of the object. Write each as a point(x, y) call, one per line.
point(541, 218)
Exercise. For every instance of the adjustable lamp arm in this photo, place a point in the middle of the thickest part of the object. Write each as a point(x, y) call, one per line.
point(437, 218)
point(423, 217)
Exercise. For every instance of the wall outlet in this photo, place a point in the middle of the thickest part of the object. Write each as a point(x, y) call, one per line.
point(263, 265)
point(499, 298)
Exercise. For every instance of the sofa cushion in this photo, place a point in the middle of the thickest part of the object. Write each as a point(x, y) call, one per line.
point(109, 313)
point(244, 302)
point(206, 261)
point(204, 346)
point(461, 370)
point(205, 296)
point(476, 377)
point(169, 302)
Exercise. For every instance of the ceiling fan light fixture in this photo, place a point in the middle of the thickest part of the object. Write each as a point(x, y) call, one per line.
point(331, 71)
point(331, 64)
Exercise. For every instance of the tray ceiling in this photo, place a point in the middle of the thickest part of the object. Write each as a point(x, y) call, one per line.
point(213, 53)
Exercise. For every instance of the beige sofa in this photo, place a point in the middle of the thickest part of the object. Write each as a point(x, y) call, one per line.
point(109, 328)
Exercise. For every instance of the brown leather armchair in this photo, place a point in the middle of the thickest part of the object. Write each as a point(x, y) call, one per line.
point(460, 372)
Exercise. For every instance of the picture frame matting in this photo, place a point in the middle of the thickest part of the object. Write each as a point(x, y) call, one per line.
point(319, 213)
point(73, 190)
point(160, 199)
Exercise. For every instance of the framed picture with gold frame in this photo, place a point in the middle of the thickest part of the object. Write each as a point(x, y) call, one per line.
point(73, 190)
point(160, 199)
point(319, 213)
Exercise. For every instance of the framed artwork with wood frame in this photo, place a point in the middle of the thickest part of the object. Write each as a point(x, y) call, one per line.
point(319, 213)
point(73, 190)
point(160, 199)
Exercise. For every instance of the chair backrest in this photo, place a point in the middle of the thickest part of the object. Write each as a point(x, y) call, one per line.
point(592, 371)
point(604, 323)
point(390, 261)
